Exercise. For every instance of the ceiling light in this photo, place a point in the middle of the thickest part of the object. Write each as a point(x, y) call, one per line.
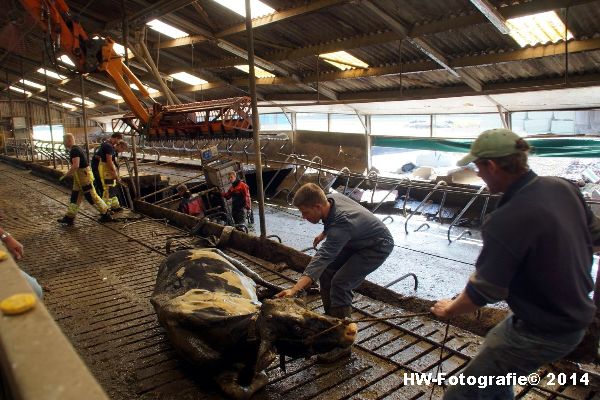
point(111, 95)
point(120, 50)
point(68, 105)
point(258, 8)
point(258, 72)
point(66, 60)
point(20, 90)
point(343, 60)
point(51, 74)
point(166, 29)
point(233, 49)
point(188, 78)
point(148, 88)
point(88, 103)
point(32, 84)
point(492, 15)
point(538, 28)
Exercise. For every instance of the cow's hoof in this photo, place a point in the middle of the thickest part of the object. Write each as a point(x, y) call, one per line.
point(334, 355)
point(228, 382)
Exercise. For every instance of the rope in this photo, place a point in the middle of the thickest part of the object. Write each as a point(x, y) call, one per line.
point(392, 317)
point(439, 368)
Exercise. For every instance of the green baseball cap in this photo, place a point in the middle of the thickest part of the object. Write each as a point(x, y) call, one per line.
point(492, 143)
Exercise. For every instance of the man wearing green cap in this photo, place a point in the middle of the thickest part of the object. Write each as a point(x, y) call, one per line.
point(537, 256)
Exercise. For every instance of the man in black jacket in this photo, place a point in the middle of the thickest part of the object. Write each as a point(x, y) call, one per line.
point(536, 255)
point(82, 184)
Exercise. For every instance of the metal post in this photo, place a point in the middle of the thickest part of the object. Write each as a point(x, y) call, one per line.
point(255, 123)
point(368, 138)
point(11, 110)
point(84, 117)
point(125, 33)
point(136, 176)
point(49, 119)
point(29, 133)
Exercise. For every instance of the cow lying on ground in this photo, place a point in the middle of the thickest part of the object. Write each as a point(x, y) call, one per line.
point(214, 320)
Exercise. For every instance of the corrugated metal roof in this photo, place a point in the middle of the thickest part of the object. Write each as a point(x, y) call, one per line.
point(453, 28)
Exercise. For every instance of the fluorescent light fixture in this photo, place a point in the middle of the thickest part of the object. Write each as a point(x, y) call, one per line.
point(233, 49)
point(343, 60)
point(33, 84)
point(66, 60)
point(188, 78)
point(20, 90)
point(238, 51)
point(51, 74)
point(120, 50)
point(88, 103)
point(111, 95)
point(258, 72)
point(492, 15)
point(258, 8)
point(166, 29)
point(433, 54)
point(538, 28)
point(148, 88)
point(69, 105)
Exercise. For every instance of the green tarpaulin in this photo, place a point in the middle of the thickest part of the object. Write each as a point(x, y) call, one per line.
point(588, 147)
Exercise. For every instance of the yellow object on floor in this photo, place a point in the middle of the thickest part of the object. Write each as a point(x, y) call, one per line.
point(3, 255)
point(17, 303)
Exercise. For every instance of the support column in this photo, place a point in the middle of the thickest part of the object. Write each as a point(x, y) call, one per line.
point(26, 103)
point(49, 118)
point(136, 177)
point(84, 117)
point(255, 123)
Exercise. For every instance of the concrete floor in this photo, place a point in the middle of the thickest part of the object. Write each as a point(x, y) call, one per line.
point(442, 268)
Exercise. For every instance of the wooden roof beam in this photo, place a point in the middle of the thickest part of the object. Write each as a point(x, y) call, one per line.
point(528, 53)
point(258, 22)
point(375, 38)
point(451, 91)
point(422, 45)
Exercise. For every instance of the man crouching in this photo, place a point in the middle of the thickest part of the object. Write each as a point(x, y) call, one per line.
point(356, 244)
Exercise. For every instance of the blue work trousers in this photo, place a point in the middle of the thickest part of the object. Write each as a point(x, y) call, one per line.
point(511, 348)
point(349, 270)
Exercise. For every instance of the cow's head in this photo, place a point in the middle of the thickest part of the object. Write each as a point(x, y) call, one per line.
point(297, 332)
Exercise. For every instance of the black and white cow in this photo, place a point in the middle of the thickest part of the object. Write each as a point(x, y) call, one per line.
point(215, 320)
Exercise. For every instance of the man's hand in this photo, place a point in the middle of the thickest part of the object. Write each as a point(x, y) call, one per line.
point(441, 308)
point(286, 293)
point(319, 238)
point(15, 247)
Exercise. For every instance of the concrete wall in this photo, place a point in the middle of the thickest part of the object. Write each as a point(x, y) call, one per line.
point(336, 149)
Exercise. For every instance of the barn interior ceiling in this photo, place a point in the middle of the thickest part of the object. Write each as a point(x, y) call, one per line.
point(366, 56)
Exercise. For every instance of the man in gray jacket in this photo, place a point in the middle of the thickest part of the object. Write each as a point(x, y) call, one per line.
point(356, 244)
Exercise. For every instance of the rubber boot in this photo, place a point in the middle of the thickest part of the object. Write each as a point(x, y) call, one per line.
point(106, 217)
point(342, 352)
point(66, 220)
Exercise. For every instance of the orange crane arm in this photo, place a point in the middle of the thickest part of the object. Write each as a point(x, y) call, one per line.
point(89, 55)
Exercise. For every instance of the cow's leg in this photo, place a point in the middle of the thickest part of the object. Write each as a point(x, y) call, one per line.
point(229, 384)
point(248, 272)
